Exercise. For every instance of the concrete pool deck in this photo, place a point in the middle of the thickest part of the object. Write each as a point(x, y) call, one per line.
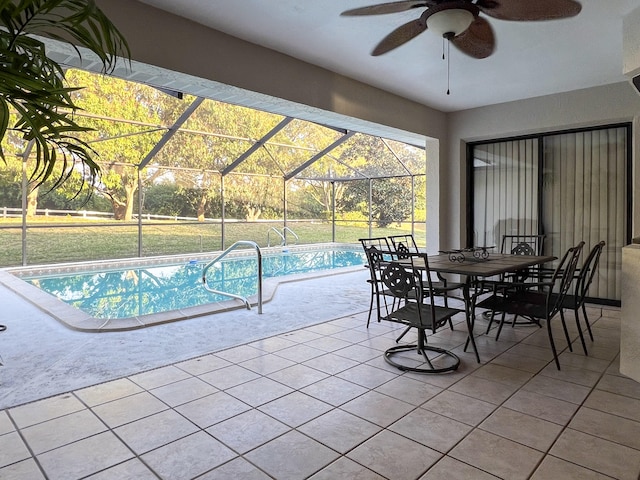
point(42, 357)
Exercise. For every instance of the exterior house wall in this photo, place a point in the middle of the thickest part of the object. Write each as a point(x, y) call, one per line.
point(581, 108)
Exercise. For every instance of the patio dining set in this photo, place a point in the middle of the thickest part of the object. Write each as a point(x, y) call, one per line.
point(514, 284)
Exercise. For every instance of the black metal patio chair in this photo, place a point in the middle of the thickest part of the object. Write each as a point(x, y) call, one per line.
point(537, 300)
point(415, 308)
point(583, 280)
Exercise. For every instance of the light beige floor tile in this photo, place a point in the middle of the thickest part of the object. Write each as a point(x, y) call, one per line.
point(325, 329)
point(331, 363)
point(44, 410)
point(240, 354)
point(204, 364)
point(543, 353)
point(500, 374)
point(24, 470)
point(452, 469)
point(292, 456)
point(298, 376)
point(130, 470)
point(5, 423)
point(155, 431)
point(295, 408)
point(301, 336)
point(183, 391)
point(497, 455)
point(300, 353)
point(345, 468)
point(12, 449)
point(551, 387)
point(328, 344)
point(273, 344)
point(431, 429)
point(378, 408)
point(62, 430)
point(460, 407)
point(520, 362)
point(597, 454)
point(367, 376)
point(358, 353)
point(616, 404)
point(409, 390)
point(558, 469)
point(228, 377)
point(610, 427)
point(159, 377)
point(129, 409)
point(248, 430)
point(569, 373)
point(238, 468)
point(106, 392)
point(525, 429)
point(84, 457)
point(579, 360)
point(483, 389)
point(188, 457)
point(266, 364)
point(620, 385)
point(394, 456)
point(339, 430)
point(259, 391)
point(212, 409)
point(334, 391)
point(541, 406)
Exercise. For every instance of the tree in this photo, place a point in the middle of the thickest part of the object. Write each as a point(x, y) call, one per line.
point(33, 85)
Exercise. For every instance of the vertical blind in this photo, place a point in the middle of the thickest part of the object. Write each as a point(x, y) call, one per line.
point(505, 178)
point(575, 190)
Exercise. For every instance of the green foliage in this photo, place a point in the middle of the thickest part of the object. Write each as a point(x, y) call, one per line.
point(391, 199)
point(33, 85)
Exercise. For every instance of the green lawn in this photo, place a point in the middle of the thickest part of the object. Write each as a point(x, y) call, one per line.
point(73, 240)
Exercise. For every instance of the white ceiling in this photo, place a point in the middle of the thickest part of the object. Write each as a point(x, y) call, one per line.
point(531, 58)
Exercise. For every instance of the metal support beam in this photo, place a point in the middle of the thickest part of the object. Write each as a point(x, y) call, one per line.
point(319, 155)
point(171, 132)
point(285, 121)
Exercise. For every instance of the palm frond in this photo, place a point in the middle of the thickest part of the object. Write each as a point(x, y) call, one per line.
point(33, 84)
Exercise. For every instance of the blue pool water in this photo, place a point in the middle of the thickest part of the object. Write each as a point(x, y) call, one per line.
point(145, 290)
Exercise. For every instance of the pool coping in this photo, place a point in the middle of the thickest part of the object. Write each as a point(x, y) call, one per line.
point(81, 321)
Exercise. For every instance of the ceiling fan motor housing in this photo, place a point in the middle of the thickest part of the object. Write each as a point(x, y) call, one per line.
point(450, 19)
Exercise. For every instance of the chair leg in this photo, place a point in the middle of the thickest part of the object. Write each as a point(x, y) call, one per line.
point(586, 320)
point(403, 334)
point(501, 324)
point(576, 312)
point(566, 332)
point(370, 306)
point(446, 304)
point(553, 345)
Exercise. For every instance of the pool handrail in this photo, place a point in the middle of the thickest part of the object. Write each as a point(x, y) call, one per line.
point(239, 243)
point(282, 235)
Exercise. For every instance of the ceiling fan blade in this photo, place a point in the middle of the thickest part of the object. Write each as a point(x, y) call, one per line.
point(529, 10)
point(391, 7)
point(478, 41)
point(400, 36)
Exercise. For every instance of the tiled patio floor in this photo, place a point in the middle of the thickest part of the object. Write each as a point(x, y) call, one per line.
point(321, 403)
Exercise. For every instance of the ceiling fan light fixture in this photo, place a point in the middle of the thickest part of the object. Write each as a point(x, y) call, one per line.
point(450, 22)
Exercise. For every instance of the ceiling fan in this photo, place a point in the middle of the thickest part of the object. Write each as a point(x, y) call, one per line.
point(459, 21)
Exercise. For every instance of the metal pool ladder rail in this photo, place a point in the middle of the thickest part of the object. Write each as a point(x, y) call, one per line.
point(281, 235)
point(239, 243)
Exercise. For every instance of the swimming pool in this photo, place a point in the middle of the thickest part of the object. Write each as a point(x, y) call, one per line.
point(108, 292)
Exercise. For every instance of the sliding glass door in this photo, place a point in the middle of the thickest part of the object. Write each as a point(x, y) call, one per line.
point(569, 186)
